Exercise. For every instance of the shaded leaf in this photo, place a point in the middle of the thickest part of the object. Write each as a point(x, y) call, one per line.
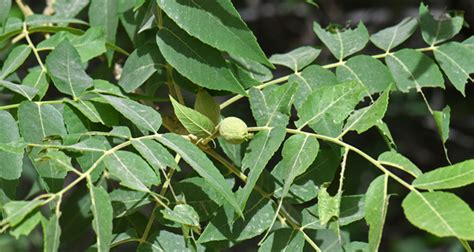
point(14, 60)
point(16, 211)
point(52, 233)
point(25, 91)
point(413, 69)
point(69, 8)
point(442, 120)
point(11, 161)
point(101, 208)
point(435, 31)
point(284, 240)
point(37, 121)
point(328, 206)
point(36, 78)
point(155, 154)
point(376, 204)
point(183, 214)
point(103, 14)
point(206, 105)
point(398, 161)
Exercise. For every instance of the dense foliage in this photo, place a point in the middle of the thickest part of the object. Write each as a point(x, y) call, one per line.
point(134, 147)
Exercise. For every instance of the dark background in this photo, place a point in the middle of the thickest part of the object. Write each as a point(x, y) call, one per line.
point(281, 26)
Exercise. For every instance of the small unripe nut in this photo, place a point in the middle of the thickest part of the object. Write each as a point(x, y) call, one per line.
point(234, 130)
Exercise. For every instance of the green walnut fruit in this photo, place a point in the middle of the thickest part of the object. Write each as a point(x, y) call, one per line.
point(234, 130)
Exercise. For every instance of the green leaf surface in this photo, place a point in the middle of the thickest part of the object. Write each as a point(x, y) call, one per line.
point(223, 29)
point(376, 205)
point(391, 37)
point(457, 62)
point(103, 14)
point(396, 160)
point(88, 109)
point(37, 20)
point(440, 213)
point(52, 233)
point(140, 66)
point(16, 211)
point(36, 78)
point(328, 206)
point(126, 202)
point(27, 226)
point(131, 170)
point(206, 105)
point(365, 118)
point(89, 45)
point(12, 162)
point(25, 91)
point(194, 122)
point(435, 31)
point(5, 6)
point(183, 214)
point(65, 69)
point(155, 154)
point(367, 71)
point(227, 226)
point(453, 176)
point(254, 69)
point(343, 43)
point(69, 8)
point(37, 121)
point(101, 208)
point(285, 239)
point(14, 60)
point(296, 59)
point(143, 116)
point(413, 69)
point(331, 104)
point(308, 80)
point(165, 241)
point(201, 164)
point(442, 120)
point(195, 60)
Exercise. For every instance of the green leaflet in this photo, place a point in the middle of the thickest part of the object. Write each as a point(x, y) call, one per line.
point(367, 71)
point(440, 213)
point(224, 28)
point(5, 6)
point(400, 162)
point(101, 208)
point(363, 119)
point(69, 8)
point(296, 59)
point(52, 233)
point(131, 170)
point(27, 226)
point(453, 176)
point(37, 121)
point(155, 154)
point(405, 67)
point(16, 211)
point(329, 105)
point(25, 91)
point(442, 120)
point(36, 79)
point(343, 43)
point(328, 206)
point(269, 109)
point(38, 20)
point(88, 109)
point(183, 214)
point(391, 37)
point(196, 61)
point(285, 239)
point(308, 80)
point(254, 69)
point(194, 122)
point(103, 14)
point(12, 162)
point(457, 62)
point(15, 59)
point(89, 45)
point(126, 202)
point(201, 164)
point(436, 31)
point(65, 69)
point(226, 226)
point(206, 105)
point(143, 116)
point(165, 241)
point(376, 204)
point(140, 66)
